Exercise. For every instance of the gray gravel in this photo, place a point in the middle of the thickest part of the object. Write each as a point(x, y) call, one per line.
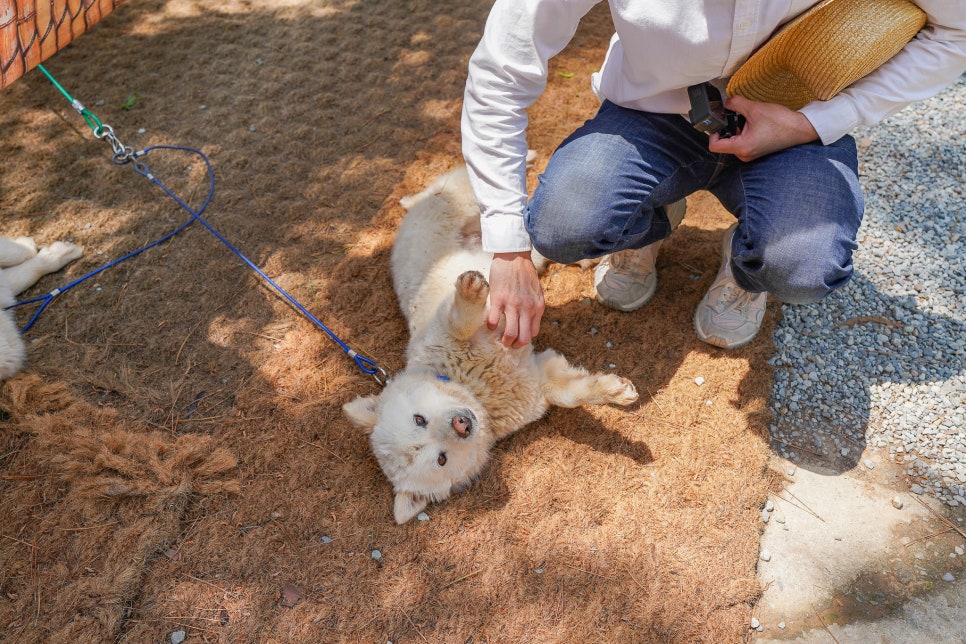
point(879, 367)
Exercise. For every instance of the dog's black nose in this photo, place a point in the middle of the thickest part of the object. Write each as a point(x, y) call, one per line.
point(462, 425)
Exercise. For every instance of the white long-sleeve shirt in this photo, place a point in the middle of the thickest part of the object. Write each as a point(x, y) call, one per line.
point(660, 48)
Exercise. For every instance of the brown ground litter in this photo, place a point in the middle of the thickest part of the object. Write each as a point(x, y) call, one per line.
point(174, 456)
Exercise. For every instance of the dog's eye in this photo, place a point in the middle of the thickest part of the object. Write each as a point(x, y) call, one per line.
point(419, 420)
point(441, 459)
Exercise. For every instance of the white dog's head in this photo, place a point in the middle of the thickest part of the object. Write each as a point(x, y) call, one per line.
point(430, 436)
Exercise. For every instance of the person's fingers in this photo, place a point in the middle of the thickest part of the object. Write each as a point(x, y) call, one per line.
point(493, 316)
point(512, 330)
point(735, 102)
point(535, 324)
point(523, 333)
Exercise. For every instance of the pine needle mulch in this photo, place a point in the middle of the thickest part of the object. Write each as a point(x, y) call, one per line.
point(174, 456)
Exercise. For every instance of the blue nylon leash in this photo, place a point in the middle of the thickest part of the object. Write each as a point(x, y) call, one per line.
point(124, 155)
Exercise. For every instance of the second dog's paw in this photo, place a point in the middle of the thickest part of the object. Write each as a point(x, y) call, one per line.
point(472, 286)
point(620, 391)
point(28, 243)
point(59, 254)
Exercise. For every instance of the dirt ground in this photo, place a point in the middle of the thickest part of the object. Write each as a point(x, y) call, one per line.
point(174, 456)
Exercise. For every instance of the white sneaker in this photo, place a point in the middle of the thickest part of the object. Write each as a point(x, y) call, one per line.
point(728, 316)
point(627, 279)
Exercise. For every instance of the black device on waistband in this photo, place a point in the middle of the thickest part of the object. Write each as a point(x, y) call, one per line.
point(709, 114)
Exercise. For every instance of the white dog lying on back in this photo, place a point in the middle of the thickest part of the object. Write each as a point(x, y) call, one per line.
point(433, 426)
point(20, 268)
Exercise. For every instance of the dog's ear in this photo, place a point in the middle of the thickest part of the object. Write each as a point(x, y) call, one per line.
point(362, 412)
point(407, 505)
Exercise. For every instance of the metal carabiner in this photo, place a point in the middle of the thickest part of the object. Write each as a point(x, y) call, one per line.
point(122, 153)
point(380, 376)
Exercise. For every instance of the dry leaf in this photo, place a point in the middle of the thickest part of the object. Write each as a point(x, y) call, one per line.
point(290, 595)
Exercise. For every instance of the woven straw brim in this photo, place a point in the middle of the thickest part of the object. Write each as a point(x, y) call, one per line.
point(826, 49)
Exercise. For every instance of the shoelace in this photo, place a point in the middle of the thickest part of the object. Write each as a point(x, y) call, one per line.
point(734, 298)
point(630, 261)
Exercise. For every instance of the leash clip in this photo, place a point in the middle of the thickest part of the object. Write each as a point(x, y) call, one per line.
point(380, 376)
point(122, 153)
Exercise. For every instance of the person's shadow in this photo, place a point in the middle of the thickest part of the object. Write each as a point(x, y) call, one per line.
point(842, 386)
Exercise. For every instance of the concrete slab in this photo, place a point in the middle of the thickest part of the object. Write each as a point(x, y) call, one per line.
point(841, 562)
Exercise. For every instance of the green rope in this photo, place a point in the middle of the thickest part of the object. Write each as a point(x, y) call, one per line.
point(92, 121)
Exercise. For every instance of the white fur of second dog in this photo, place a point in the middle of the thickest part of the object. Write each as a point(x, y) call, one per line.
point(21, 265)
point(433, 426)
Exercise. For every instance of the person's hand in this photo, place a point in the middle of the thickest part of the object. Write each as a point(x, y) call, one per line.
point(516, 295)
point(768, 128)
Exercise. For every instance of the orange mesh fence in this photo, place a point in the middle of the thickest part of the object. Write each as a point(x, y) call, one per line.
point(32, 31)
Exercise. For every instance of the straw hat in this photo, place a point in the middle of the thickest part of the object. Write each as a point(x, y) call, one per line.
point(826, 49)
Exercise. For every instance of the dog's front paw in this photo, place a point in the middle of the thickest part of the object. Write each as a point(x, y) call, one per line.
point(472, 286)
point(59, 254)
point(619, 390)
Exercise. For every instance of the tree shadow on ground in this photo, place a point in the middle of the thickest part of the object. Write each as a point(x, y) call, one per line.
point(862, 351)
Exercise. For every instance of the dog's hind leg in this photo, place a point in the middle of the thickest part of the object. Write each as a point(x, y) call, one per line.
point(49, 260)
point(565, 385)
point(16, 251)
point(469, 306)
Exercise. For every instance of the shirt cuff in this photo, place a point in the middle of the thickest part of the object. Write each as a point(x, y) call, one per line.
point(504, 233)
point(832, 119)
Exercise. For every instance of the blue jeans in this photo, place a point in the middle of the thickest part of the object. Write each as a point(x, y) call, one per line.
point(605, 188)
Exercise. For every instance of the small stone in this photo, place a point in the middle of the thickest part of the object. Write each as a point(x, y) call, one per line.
point(376, 555)
point(539, 571)
point(177, 637)
point(869, 464)
point(765, 555)
point(897, 503)
point(141, 130)
point(959, 551)
point(769, 506)
point(326, 539)
point(422, 516)
point(699, 381)
point(948, 577)
point(781, 625)
point(755, 623)
point(765, 516)
point(915, 489)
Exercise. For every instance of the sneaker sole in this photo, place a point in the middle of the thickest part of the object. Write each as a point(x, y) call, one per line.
point(718, 342)
point(627, 307)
